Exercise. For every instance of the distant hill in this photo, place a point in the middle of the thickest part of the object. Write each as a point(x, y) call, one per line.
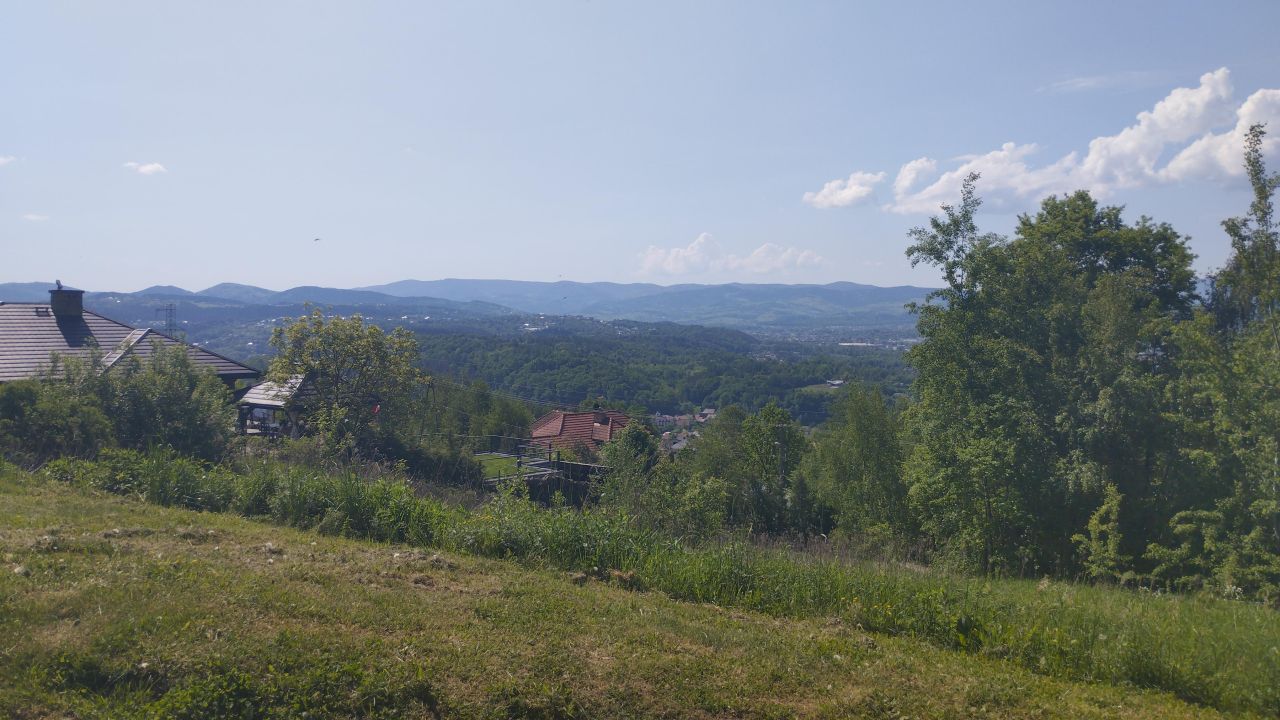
point(25, 291)
point(242, 293)
point(563, 297)
point(753, 307)
point(164, 290)
point(746, 306)
point(841, 310)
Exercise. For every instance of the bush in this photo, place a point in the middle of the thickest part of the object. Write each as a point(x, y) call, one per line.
point(41, 421)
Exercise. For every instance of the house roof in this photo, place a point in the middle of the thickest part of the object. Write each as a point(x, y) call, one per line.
point(30, 333)
point(272, 394)
point(566, 429)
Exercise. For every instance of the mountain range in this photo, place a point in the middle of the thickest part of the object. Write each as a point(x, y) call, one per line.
point(841, 309)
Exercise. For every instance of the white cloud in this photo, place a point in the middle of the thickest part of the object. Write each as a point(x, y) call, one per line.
point(1087, 83)
point(1216, 155)
point(843, 193)
point(1180, 127)
point(704, 255)
point(151, 168)
point(697, 257)
point(32, 217)
point(772, 258)
point(1128, 158)
point(911, 173)
point(6, 159)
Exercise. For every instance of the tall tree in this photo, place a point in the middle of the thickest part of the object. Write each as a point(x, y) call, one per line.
point(361, 378)
point(1245, 289)
point(856, 466)
point(1228, 539)
point(1031, 346)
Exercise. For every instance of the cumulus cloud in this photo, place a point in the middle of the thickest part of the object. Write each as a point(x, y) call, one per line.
point(151, 168)
point(705, 255)
point(843, 193)
point(6, 159)
point(1217, 155)
point(1200, 130)
point(696, 257)
point(911, 173)
point(32, 217)
point(772, 258)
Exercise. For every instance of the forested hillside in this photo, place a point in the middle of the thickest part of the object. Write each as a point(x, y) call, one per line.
point(663, 368)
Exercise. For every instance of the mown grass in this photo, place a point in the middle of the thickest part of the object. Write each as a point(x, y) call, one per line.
point(1217, 653)
point(126, 610)
point(497, 466)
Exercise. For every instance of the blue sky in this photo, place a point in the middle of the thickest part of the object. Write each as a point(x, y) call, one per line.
point(191, 144)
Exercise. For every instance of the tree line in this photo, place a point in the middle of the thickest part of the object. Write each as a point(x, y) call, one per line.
point(1081, 408)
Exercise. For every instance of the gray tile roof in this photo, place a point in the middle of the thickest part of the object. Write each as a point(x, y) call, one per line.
point(270, 394)
point(30, 333)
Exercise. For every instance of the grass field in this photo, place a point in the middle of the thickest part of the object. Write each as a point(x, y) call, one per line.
point(496, 466)
point(110, 607)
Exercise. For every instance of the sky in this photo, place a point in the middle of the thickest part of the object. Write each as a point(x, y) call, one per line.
point(351, 144)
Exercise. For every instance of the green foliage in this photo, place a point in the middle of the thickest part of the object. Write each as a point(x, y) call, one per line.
point(857, 463)
point(78, 407)
point(340, 501)
point(659, 494)
point(1041, 379)
point(159, 476)
point(1246, 289)
point(664, 368)
point(757, 456)
point(170, 402)
point(1101, 547)
point(39, 421)
point(1069, 387)
point(361, 378)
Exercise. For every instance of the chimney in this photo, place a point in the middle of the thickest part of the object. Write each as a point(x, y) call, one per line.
point(66, 302)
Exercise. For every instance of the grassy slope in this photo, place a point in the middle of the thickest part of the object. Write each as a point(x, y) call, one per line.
point(495, 466)
point(186, 610)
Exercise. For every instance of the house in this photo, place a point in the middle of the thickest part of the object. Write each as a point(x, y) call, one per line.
point(271, 408)
point(561, 430)
point(31, 333)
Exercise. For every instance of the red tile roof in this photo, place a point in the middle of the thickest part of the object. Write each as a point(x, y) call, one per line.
point(565, 430)
point(30, 333)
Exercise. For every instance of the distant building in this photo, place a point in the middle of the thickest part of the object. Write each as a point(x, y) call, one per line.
point(673, 442)
point(561, 430)
point(270, 408)
point(32, 333)
point(835, 383)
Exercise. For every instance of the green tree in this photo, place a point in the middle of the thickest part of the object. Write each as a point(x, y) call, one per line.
point(363, 380)
point(1228, 536)
point(41, 421)
point(1100, 548)
point(657, 493)
point(1245, 289)
point(1041, 377)
point(169, 401)
point(771, 447)
point(856, 465)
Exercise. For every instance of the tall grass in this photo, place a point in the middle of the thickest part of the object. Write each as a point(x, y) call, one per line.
point(1219, 653)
